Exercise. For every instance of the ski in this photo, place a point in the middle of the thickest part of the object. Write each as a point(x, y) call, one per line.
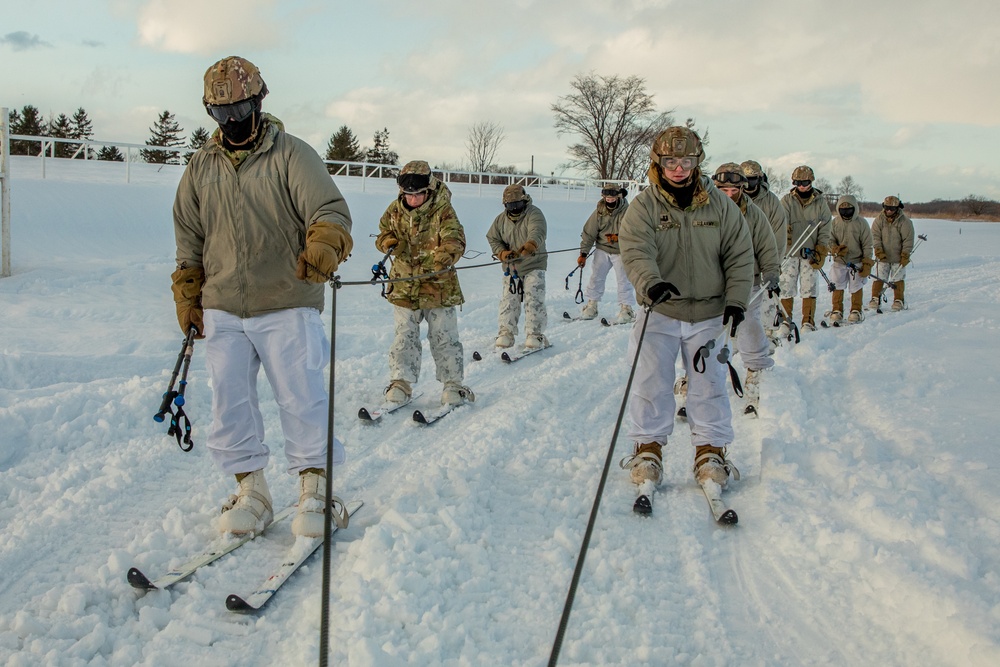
point(606, 322)
point(644, 498)
point(569, 318)
point(303, 548)
point(219, 548)
point(722, 513)
point(508, 359)
point(431, 417)
point(750, 410)
point(387, 407)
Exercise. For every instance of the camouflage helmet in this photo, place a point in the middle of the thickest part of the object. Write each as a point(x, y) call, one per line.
point(892, 201)
point(677, 142)
point(803, 173)
point(730, 175)
point(414, 177)
point(513, 193)
point(752, 169)
point(231, 80)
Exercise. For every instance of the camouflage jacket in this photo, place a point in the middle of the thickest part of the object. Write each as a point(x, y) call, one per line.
point(853, 233)
point(602, 228)
point(892, 237)
point(246, 228)
point(507, 234)
point(419, 233)
point(704, 250)
point(803, 213)
point(765, 253)
point(768, 202)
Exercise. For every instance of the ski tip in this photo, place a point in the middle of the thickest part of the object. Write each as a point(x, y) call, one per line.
point(566, 315)
point(476, 356)
point(506, 358)
point(605, 322)
point(750, 410)
point(682, 413)
point(138, 580)
point(729, 518)
point(418, 417)
point(236, 603)
point(364, 414)
point(643, 505)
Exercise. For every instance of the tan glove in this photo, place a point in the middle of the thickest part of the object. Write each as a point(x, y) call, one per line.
point(818, 258)
point(612, 238)
point(880, 255)
point(386, 241)
point(581, 260)
point(839, 250)
point(507, 255)
point(866, 267)
point(446, 255)
point(528, 248)
point(904, 258)
point(327, 243)
point(187, 284)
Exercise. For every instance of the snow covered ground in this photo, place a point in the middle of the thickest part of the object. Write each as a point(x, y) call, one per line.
point(868, 532)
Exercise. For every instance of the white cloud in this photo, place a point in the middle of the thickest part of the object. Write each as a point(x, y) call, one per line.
point(210, 28)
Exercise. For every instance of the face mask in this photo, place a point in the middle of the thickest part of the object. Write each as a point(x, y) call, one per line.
point(516, 207)
point(239, 133)
point(846, 212)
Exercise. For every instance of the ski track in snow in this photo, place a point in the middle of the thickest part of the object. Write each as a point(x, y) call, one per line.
point(867, 533)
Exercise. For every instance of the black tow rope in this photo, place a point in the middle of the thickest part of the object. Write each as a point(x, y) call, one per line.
point(379, 272)
point(515, 283)
point(180, 425)
point(579, 298)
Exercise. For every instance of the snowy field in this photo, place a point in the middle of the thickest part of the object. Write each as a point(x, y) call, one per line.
point(868, 532)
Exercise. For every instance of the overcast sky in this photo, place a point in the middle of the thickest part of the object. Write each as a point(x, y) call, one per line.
point(903, 96)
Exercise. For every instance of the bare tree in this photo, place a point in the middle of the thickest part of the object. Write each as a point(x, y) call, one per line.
point(978, 205)
point(615, 120)
point(775, 181)
point(848, 186)
point(482, 144)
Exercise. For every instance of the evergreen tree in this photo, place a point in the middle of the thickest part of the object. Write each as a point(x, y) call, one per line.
point(30, 124)
point(166, 132)
point(380, 153)
point(110, 153)
point(197, 140)
point(81, 128)
point(343, 145)
point(60, 128)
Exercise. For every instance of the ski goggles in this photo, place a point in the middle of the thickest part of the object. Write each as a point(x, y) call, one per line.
point(729, 178)
point(802, 182)
point(891, 209)
point(237, 111)
point(610, 192)
point(671, 163)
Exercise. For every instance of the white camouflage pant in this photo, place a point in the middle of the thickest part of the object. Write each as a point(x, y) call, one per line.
point(751, 341)
point(797, 278)
point(442, 336)
point(601, 263)
point(293, 348)
point(886, 271)
point(535, 317)
point(652, 405)
point(843, 278)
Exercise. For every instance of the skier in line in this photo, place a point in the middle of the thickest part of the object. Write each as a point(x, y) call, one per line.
point(892, 238)
point(260, 226)
point(805, 205)
point(517, 238)
point(852, 244)
point(422, 231)
point(601, 229)
point(759, 192)
point(751, 341)
point(687, 250)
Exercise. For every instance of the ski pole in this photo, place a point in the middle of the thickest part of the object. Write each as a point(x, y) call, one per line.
point(794, 249)
point(893, 274)
point(810, 252)
point(179, 422)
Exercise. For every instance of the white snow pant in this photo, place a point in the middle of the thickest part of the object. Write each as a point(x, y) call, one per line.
point(886, 271)
point(292, 347)
point(844, 278)
point(601, 263)
point(535, 317)
point(797, 278)
point(652, 405)
point(442, 335)
point(751, 341)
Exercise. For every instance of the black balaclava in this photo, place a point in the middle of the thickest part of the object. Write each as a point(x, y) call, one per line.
point(846, 212)
point(241, 135)
point(613, 205)
point(752, 192)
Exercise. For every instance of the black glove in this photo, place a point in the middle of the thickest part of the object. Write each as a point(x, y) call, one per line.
point(660, 292)
point(734, 313)
point(771, 283)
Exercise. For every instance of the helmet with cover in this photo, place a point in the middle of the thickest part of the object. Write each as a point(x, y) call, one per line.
point(233, 89)
point(803, 175)
point(677, 146)
point(414, 178)
point(515, 199)
point(891, 205)
point(729, 175)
